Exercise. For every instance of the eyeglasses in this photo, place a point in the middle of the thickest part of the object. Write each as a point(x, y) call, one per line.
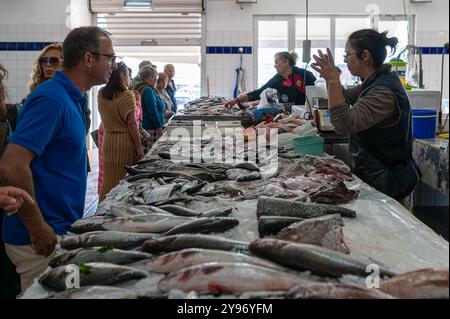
point(54, 61)
point(111, 56)
point(346, 55)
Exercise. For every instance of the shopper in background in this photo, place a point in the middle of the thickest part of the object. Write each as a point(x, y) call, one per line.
point(4, 124)
point(290, 82)
point(121, 145)
point(161, 85)
point(137, 80)
point(46, 156)
point(169, 69)
point(152, 106)
point(376, 114)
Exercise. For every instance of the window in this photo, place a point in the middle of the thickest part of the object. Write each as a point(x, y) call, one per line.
point(279, 33)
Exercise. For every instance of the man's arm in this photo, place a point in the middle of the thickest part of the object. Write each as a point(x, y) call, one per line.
point(15, 171)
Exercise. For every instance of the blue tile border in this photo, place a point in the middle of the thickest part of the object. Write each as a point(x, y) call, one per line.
point(23, 46)
point(433, 50)
point(227, 50)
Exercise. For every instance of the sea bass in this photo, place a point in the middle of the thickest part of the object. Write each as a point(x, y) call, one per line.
point(104, 238)
point(183, 241)
point(233, 278)
point(217, 212)
point(91, 274)
point(318, 290)
point(325, 231)
point(204, 225)
point(179, 210)
point(152, 223)
point(311, 257)
point(98, 254)
point(177, 260)
point(95, 292)
point(419, 284)
point(86, 225)
point(283, 207)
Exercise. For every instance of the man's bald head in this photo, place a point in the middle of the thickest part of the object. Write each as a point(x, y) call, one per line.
point(169, 69)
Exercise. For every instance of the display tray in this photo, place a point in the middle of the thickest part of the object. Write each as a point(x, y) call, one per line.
point(183, 117)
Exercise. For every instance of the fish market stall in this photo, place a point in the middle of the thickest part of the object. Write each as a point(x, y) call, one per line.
point(195, 228)
point(431, 156)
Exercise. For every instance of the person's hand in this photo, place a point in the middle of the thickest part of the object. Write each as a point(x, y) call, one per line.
point(229, 104)
point(325, 66)
point(43, 239)
point(139, 154)
point(12, 198)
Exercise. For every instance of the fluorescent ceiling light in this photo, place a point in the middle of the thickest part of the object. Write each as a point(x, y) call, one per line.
point(137, 4)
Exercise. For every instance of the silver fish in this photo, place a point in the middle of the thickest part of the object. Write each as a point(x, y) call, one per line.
point(97, 254)
point(233, 278)
point(153, 223)
point(177, 260)
point(311, 257)
point(283, 207)
point(182, 241)
point(91, 274)
point(318, 290)
point(217, 212)
point(104, 238)
point(95, 292)
point(204, 225)
point(179, 210)
point(88, 224)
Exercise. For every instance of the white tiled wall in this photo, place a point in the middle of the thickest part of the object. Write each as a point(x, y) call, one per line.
point(432, 63)
point(220, 68)
point(20, 63)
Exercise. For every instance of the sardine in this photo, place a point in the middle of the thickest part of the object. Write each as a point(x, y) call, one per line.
point(179, 210)
point(91, 274)
point(318, 259)
point(217, 212)
point(204, 225)
point(183, 241)
point(271, 225)
point(419, 284)
point(177, 260)
point(95, 292)
point(325, 231)
point(154, 223)
point(283, 207)
point(233, 278)
point(318, 290)
point(105, 238)
point(98, 254)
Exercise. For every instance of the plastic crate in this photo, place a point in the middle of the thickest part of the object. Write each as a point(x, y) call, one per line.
point(309, 145)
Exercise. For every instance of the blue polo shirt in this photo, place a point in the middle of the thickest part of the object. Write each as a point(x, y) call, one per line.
point(51, 125)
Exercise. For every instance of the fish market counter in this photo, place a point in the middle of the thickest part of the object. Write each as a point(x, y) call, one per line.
point(372, 227)
point(431, 155)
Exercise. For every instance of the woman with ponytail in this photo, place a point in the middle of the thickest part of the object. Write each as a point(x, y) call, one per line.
point(290, 82)
point(376, 114)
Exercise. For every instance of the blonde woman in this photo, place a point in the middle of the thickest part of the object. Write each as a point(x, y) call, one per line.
point(46, 64)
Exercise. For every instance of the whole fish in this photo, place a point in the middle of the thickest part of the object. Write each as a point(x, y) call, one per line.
point(88, 224)
point(234, 173)
point(249, 176)
point(325, 231)
point(97, 254)
point(126, 211)
point(283, 207)
point(153, 223)
point(204, 225)
point(271, 225)
point(95, 292)
point(217, 212)
point(319, 290)
point(91, 274)
point(247, 166)
point(311, 257)
point(177, 260)
point(419, 284)
point(179, 210)
point(183, 241)
point(233, 278)
point(104, 238)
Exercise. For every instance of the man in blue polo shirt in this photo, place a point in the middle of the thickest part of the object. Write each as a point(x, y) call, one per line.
point(47, 153)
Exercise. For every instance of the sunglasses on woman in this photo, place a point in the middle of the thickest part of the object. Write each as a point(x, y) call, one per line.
point(54, 61)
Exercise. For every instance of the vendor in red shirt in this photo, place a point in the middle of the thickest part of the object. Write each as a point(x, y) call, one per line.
point(289, 81)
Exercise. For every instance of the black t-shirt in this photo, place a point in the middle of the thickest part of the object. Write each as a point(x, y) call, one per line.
point(291, 90)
